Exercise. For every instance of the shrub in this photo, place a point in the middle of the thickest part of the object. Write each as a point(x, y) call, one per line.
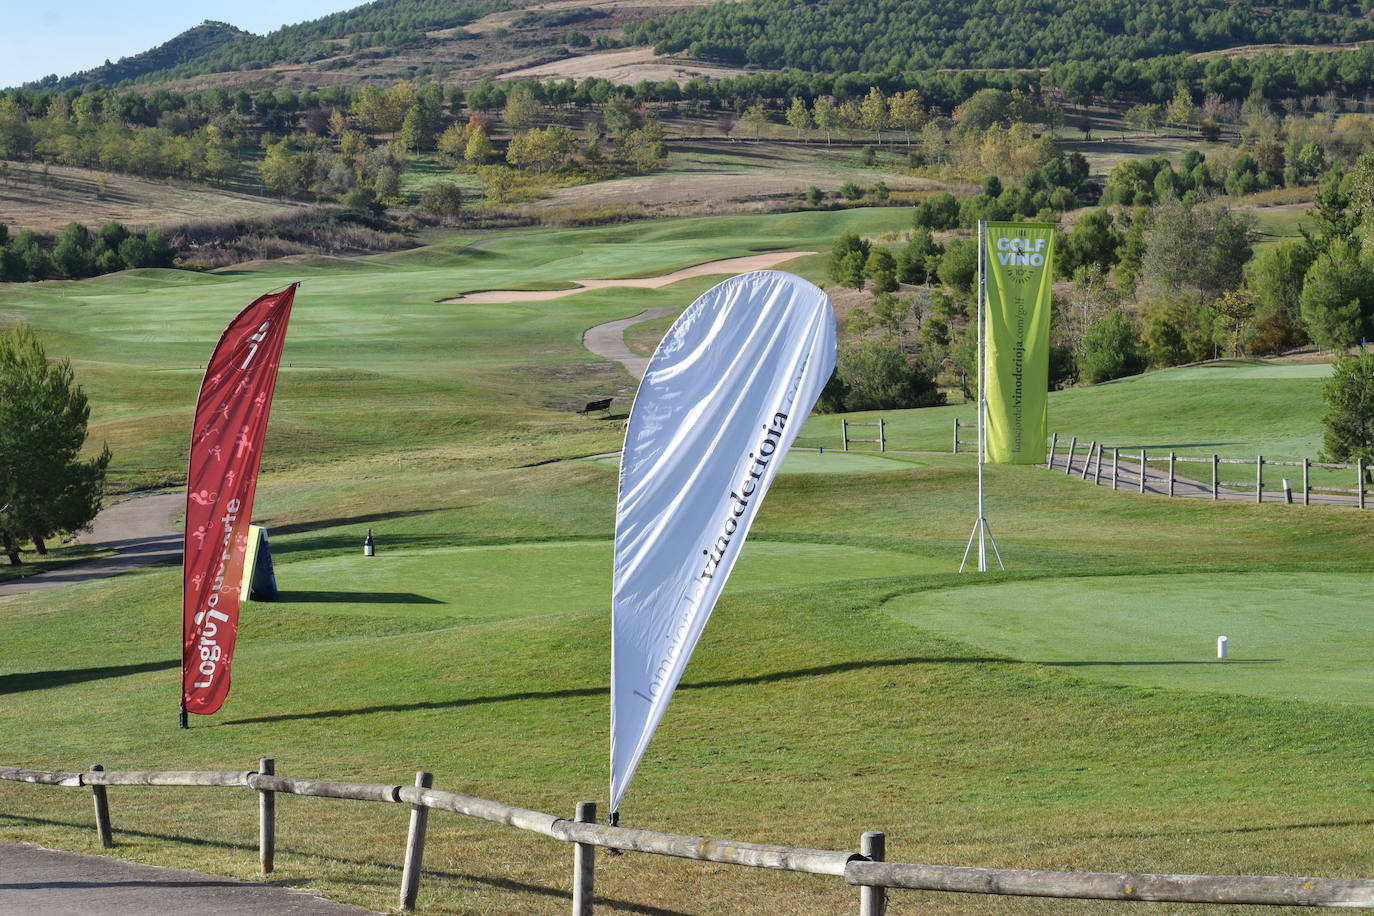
point(874, 374)
point(1111, 349)
point(443, 199)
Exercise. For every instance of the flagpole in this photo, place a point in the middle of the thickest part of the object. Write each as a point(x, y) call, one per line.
point(981, 532)
point(982, 397)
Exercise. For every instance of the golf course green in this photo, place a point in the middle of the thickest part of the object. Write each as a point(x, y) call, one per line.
point(1291, 635)
point(1067, 713)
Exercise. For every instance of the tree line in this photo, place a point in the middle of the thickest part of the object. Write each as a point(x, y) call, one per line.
point(77, 253)
point(1163, 273)
point(898, 35)
point(206, 135)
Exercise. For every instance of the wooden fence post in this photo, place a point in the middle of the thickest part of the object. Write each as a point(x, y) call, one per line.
point(1142, 470)
point(1116, 465)
point(415, 846)
point(102, 811)
point(1306, 487)
point(882, 434)
point(1068, 462)
point(844, 431)
point(873, 900)
point(1097, 472)
point(1087, 460)
point(1259, 478)
point(1216, 463)
point(267, 818)
point(1171, 473)
point(1054, 447)
point(1359, 481)
point(584, 865)
point(956, 437)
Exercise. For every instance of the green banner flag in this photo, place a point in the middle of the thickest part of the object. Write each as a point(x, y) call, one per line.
point(1018, 273)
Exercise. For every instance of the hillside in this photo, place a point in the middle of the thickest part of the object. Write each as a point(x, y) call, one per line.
point(468, 41)
point(204, 40)
point(385, 40)
point(881, 35)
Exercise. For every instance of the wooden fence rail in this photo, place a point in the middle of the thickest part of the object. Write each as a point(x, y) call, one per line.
point(1168, 479)
point(881, 441)
point(865, 868)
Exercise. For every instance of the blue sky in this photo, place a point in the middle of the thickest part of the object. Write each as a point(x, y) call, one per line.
point(38, 37)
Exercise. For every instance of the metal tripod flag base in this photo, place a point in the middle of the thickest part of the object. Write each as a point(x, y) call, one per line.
point(982, 533)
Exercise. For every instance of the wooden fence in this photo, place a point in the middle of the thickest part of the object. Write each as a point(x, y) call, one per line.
point(866, 868)
point(881, 441)
point(1093, 459)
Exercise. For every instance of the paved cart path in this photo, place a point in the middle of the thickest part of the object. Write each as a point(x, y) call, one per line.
point(45, 882)
point(140, 528)
point(608, 340)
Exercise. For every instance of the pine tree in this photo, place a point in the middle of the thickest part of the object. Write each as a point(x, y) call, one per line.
point(45, 488)
point(1349, 420)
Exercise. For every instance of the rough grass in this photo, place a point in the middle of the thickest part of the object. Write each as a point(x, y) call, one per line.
point(28, 201)
point(810, 712)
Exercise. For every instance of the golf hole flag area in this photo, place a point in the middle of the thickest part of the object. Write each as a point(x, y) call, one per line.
point(1290, 635)
point(1067, 714)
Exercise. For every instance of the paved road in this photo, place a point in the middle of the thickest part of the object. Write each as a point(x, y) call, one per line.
point(140, 528)
point(608, 340)
point(45, 882)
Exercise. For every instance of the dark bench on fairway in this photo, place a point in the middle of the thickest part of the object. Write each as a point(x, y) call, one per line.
point(603, 404)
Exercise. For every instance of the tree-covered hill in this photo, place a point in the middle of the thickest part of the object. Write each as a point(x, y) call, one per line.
point(896, 35)
point(205, 39)
point(216, 47)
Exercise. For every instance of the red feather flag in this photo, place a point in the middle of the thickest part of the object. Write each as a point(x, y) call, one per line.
point(226, 449)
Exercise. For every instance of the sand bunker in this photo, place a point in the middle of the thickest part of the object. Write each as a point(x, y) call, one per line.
point(725, 266)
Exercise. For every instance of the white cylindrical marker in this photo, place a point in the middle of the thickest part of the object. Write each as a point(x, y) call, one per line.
point(1221, 647)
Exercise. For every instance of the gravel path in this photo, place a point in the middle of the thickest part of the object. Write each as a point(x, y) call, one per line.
point(45, 882)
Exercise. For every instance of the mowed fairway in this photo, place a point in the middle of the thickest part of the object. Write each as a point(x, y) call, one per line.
point(849, 679)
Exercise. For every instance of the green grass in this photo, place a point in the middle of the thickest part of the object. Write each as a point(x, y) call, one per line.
point(455, 584)
point(423, 171)
point(850, 678)
point(1234, 408)
point(487, 384)
point(59, 555)
point(1161, 630)
point(803, 460)
point(1275, 226)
